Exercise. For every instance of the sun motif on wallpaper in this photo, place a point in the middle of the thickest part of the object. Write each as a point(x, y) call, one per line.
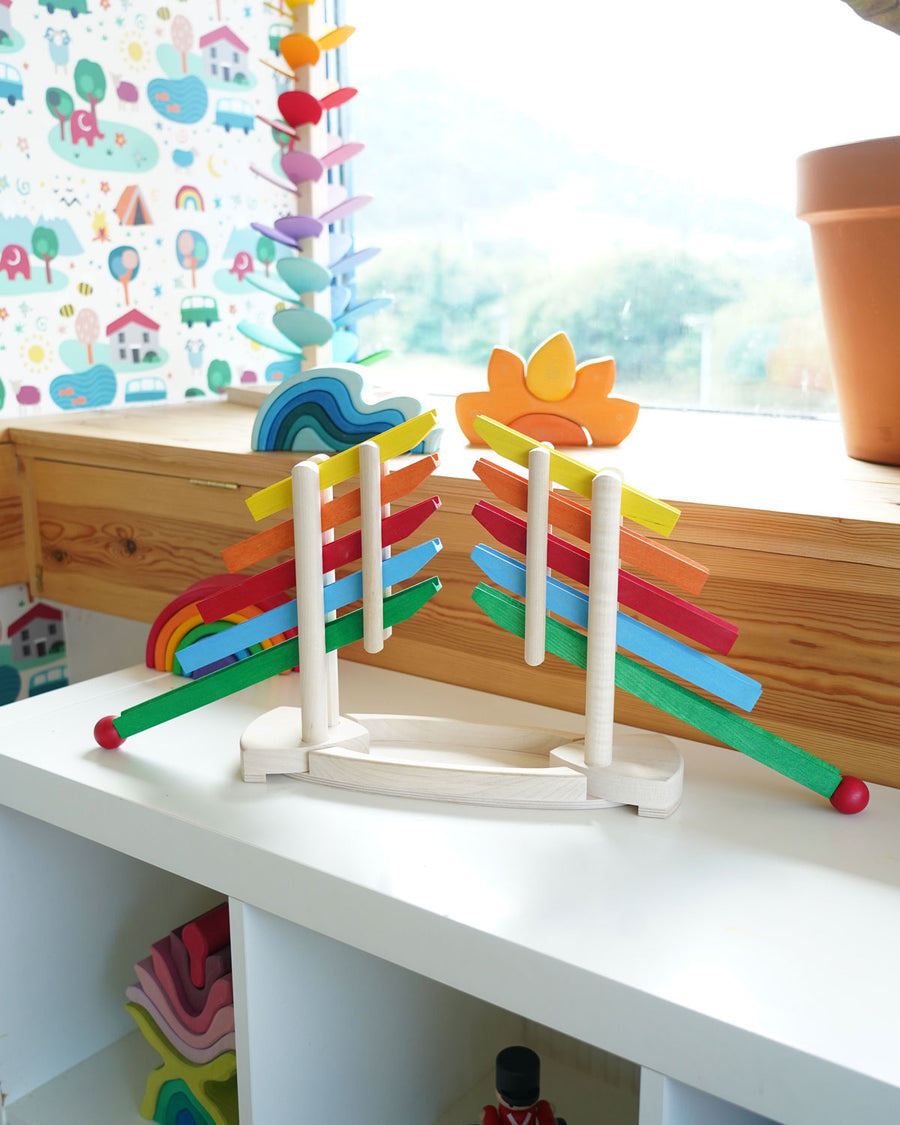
point(551, 398)
point(35, 355)
point(134, 49)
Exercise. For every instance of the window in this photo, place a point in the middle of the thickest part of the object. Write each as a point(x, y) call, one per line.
point(214, 69)
point(145, 336)
point(25, 635)
point(212, 55)
point(624, 173)
point(51, 628)
point(26, 650)
point(121, 337)
point(122, 353)
point(235, 57)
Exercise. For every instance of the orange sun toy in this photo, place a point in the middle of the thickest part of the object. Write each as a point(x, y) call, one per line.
point(550, 398)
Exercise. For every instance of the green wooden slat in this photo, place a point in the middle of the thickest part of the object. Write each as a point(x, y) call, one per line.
point(270, 662)
point(395, 608)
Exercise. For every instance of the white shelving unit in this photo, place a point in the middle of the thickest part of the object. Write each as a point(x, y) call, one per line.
point(110, 1083)
point(740, 955)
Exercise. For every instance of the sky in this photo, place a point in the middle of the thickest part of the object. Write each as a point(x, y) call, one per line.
point(717, 93)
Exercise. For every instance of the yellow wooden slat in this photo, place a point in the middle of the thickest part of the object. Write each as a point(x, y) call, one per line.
point(653, 514)
point(345, 464)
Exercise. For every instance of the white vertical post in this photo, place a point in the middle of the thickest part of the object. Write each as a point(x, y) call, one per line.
point(600, 685)
point(536, 554)
point(307, 506)
point(331, 658)
point(370, 516)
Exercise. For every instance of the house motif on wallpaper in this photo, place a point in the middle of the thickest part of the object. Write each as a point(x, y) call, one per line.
point(224, 56)
point(37, 633)
point(133, 338)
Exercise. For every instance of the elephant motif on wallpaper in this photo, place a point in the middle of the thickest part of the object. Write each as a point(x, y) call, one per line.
point(14, 261)
point(83, 123)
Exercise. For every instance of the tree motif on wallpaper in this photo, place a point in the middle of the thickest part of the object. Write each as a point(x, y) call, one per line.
point(182, 35)
point(192, 250)
point(45, 245)
point(61, 104)
point(124, 263)
point(265, 251)
point(90, 84)
point(87, 330)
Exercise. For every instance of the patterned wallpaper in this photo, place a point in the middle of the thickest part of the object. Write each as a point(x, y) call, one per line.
point(127, 128)
point(126, 133)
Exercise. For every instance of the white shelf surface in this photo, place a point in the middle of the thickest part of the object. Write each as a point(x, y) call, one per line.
point(746, 946)
point(106, 1087)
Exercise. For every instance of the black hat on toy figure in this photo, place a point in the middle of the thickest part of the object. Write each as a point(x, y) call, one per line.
point(518, 1086)
point(518, 1077)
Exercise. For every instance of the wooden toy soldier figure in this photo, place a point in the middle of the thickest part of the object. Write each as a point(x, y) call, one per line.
point(518, 1085)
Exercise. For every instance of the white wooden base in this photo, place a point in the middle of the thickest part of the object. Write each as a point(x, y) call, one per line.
point(475, 763)
point(272, 743)
point(646, 771)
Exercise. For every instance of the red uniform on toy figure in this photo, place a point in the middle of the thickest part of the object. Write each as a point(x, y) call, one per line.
point(518, 1091)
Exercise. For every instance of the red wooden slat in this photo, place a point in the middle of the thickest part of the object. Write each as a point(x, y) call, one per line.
point(341, 551)
point(635, 593)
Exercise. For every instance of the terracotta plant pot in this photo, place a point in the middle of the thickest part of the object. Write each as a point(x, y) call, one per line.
point(850, 196)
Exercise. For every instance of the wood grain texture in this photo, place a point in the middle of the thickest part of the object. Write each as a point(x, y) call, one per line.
point(125, 542)
point(12, 528)
point(804, 553)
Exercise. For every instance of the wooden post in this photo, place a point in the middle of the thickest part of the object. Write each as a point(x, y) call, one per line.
point(370, 514)
point(331, 658)
point(310, 601)
point(600, 683)
point(536, 554)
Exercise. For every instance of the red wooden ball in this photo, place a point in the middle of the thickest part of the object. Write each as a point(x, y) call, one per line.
point(106, 735)
point(851, 795)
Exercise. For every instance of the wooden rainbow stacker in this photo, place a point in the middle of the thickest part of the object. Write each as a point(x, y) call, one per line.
point(456, 760)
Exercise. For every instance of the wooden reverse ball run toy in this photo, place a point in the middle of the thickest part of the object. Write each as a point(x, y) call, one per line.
point(455, 760)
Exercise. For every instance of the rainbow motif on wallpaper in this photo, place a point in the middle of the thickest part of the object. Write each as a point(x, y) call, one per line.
point(188, 198)
point(180, 624)
point(324, 410)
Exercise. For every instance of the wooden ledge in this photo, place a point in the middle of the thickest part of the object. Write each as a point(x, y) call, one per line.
point(738, 461)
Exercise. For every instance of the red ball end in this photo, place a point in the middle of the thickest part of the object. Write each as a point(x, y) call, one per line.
point(851, 795)
point(106, 735)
